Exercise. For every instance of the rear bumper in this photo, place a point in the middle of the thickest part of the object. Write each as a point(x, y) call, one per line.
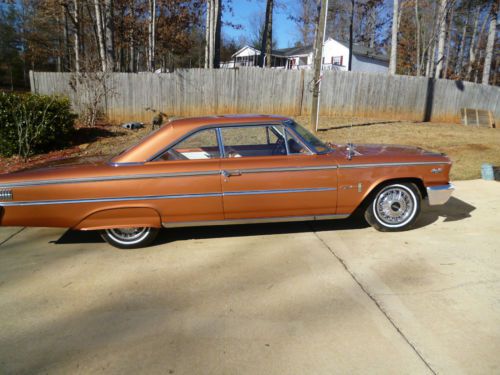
point(439, 194)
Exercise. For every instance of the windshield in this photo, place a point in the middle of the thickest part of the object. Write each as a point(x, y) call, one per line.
point(310, 138)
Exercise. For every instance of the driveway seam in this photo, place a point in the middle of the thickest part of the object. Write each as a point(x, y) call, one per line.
point(12, 236)
point(381, 309)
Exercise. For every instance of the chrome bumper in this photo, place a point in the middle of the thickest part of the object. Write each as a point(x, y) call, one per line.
point(439, 194)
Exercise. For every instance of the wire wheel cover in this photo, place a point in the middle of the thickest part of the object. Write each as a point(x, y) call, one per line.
point(395, 206)
point(128, 235)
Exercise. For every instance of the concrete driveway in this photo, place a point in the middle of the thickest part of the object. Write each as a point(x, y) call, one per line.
point(301, 298)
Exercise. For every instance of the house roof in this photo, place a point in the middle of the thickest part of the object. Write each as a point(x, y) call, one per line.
point(357, 49)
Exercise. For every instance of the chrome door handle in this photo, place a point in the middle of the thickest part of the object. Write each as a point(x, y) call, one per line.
point(228, 174)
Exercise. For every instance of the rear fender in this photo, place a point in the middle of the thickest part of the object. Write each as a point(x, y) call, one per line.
point(126, 217)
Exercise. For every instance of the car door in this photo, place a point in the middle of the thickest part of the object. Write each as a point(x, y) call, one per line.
point(268, 172)
point(189, 177)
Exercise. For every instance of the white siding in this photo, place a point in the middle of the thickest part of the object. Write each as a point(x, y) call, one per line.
point(369, 65)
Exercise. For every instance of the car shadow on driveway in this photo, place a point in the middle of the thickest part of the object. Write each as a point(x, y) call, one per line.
point(454, 210)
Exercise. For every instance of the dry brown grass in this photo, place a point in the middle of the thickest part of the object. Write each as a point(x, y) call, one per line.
point(468, 147)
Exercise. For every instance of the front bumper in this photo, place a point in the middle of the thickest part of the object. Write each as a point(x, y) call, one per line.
point(439, 194)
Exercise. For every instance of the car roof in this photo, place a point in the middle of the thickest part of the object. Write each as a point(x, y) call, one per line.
point(195, 122)
point(177, 128)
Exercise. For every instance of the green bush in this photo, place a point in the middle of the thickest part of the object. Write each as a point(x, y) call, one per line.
point(32, 124)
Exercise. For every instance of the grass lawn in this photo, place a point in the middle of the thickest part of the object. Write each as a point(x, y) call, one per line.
point(468, 147)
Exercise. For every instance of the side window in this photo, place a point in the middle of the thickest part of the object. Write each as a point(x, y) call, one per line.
point(294, 145)
point(247, 141)
point(200, 145)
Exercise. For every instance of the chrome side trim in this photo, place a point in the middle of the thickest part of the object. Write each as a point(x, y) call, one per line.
point(277, 191)
point(288, 169)
point(401, 164)
point(125, 164)
point(439, 194)
point(156, 197)
point(253, 221)
point(108, 178)
point(105, 200)
point(155, 176)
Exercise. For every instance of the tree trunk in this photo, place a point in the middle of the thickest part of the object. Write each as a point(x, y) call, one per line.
point(394, 38)
point(351, 37)
point(207, 33)
point(266, 46)
point(109, 33)
point(442, 38)
point(217, 32)
point(151, 35)
point(417, 23)
point(211, 55)
point(472, 49)
point(490, 45)
point(77, 36)
point(99, 24)
point(461, 48)
point(132, 39)
point(318, 54)
point(448, 44)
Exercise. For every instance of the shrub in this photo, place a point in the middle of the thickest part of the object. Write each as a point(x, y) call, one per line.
point(31, 124)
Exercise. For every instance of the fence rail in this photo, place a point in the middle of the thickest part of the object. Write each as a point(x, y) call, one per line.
point(194, 92)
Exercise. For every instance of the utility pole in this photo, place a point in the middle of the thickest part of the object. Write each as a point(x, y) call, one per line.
point(318, 57)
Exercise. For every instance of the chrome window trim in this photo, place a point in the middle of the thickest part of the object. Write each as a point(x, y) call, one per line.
point(313, 149)
point(300, 140)
point(279, 219)
point(211, 126)
point(396, 164)
point(182, 139)
point(159, 197)
point(220, 141)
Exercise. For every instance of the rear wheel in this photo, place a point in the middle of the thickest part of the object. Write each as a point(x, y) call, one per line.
point(130, 238)
point(394, 207)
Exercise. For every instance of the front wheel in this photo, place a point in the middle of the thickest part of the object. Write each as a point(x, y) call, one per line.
point(394, 207)
point(130, 238)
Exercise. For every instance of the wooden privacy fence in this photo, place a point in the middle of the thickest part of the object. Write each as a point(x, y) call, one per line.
point(194, 92)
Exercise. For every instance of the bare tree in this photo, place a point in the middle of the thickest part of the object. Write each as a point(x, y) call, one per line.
point(267, 36)
point(213, 33)
point(151, 34)
point(318, 52)
point(442, 37)
point(417, 23)
point(109, 34)
point(491, 41)
point(207, 33)
point(76, 47)
point(394, 38)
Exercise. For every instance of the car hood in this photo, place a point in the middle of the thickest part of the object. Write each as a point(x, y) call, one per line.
point(392, 150)
point(373, 153)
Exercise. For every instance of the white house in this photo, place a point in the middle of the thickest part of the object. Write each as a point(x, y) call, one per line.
point(335, 56)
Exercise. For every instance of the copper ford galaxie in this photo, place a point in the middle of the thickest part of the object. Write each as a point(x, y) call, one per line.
point(227, 170)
